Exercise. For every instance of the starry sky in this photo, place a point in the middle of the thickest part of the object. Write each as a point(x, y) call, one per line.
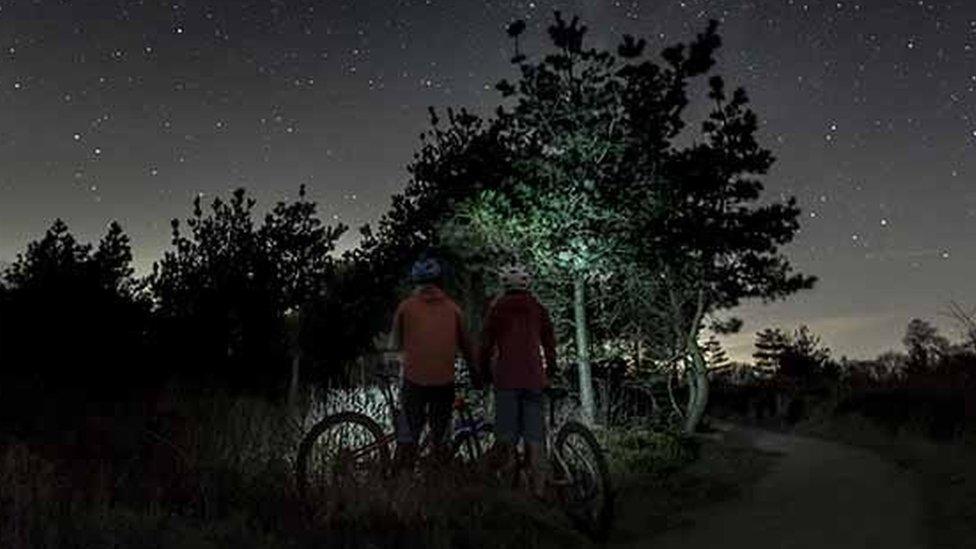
point(127, 109)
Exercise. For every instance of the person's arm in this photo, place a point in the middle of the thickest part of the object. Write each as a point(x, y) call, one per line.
point(548, 336)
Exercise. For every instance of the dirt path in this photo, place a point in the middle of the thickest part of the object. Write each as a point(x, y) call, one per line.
point(818, 494)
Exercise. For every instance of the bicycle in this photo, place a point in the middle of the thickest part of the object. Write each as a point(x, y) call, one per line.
point(580, 477)
point(350, 446)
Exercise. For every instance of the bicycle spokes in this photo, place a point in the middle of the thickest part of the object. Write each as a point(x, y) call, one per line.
point(586, 490)
point(345, 452)
point(582, 476)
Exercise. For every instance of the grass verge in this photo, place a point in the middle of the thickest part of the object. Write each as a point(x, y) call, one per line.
point(665, 498)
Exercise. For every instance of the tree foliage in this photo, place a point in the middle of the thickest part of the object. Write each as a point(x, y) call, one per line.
point(72, 319)
point(799, 356)
point(770, 344)
point(924, 343)
point(458, 156)
point(607, 193)
point(222, 291)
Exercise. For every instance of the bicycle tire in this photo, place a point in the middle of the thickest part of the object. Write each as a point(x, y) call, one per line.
point(593, 513)
point(334, 421)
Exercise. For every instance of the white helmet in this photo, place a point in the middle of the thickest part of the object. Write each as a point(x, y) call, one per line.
point(514, 277)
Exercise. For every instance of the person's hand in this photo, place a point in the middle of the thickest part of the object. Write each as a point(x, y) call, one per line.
point(485, 375)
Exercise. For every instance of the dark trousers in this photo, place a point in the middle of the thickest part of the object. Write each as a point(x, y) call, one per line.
point(425, 405)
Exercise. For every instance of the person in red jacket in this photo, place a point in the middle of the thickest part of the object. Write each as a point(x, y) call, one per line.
point(428, 329)
point(519, 335)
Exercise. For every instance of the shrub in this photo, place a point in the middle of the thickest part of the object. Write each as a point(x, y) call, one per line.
point(640, 450)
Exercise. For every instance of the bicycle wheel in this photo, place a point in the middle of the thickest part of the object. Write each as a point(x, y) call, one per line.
point(582, 469)
point(347, 446)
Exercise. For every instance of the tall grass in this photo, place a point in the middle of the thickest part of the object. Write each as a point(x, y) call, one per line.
point(27, 495)
point(214, 470)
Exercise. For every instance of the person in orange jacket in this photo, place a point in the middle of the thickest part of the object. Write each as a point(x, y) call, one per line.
point(428, 329)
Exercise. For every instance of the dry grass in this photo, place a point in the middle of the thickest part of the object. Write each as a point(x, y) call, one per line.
point(27, 495)
point(217, 471)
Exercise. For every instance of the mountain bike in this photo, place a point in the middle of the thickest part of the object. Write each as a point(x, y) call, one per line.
point(579, 476)
point(350, 446)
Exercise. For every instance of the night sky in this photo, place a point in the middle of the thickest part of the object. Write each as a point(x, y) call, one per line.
point(126, 110)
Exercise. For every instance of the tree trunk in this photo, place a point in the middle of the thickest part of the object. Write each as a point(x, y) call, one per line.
point(639, 355)
point(583, 351)
point(293, 324)
point(697, 388)
point(293, 384)
point(475, 301)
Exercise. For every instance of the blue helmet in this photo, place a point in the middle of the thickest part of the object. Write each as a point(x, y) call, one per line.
point(425, 270)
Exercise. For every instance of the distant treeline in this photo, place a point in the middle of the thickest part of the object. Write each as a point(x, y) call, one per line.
point(929, 388)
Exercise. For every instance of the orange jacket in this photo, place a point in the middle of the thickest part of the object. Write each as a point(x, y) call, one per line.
point(429, 329)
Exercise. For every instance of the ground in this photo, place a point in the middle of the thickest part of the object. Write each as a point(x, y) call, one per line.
point(806, 493)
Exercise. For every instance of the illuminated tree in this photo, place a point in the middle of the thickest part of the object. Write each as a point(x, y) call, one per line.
point(566, 125)
point(603, 193)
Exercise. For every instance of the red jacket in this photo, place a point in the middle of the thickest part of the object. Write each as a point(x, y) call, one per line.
point(519, 328)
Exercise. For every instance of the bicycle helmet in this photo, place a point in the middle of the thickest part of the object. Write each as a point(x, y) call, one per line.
point(425, 270)
point(514, 277)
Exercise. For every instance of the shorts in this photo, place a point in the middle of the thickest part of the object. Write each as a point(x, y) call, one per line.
point(424, 405)
point(518, 414)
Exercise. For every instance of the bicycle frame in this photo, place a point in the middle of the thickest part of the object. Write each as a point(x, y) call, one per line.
point(469, 423)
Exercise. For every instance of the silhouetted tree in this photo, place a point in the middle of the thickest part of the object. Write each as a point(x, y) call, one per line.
point(888, 366)
point(715, 354)
point(924, 344)
point(965, 319)
point(770, 344)
point(800, 356)
point(221, 294)
point(712, 240)
point(458, 156)
point(805, 357)
point(73, 322)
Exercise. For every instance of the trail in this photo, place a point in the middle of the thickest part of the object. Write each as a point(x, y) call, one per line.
point(819, 494)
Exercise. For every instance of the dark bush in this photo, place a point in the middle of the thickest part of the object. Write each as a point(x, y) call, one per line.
point(72, 335)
